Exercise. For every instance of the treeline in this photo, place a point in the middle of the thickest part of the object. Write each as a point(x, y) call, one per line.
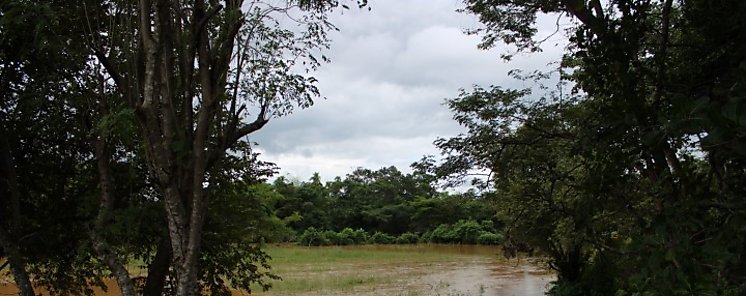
point(375, 206)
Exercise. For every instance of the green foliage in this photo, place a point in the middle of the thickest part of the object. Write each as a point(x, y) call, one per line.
point(426, 238)
point(443, 234)
point(312, 237)
point(408, 238)
point(385, 201)
point(381, 238)
point(354, 237)
point(489, 238)
point(463, 232)
point(334, 238)
point(632, 181)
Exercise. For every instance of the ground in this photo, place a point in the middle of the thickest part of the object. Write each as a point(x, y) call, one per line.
point(391, 270)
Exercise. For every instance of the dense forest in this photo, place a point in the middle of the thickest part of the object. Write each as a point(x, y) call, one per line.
point(123, 131)
point(384, 206)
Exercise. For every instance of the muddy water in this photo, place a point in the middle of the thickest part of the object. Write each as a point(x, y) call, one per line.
point(486, 276)
point(483, 271)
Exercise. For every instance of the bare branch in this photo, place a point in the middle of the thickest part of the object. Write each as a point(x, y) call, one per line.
point(206, 18)
point(257, 124)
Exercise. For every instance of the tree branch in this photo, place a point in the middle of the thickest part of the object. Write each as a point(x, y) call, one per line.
point(109, 67)
point(257, 124)
point(578, 9)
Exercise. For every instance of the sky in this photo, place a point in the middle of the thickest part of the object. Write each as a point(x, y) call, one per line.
point(391, 69)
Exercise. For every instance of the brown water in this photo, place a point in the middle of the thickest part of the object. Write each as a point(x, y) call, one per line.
point(487, 276)
point(484, 272)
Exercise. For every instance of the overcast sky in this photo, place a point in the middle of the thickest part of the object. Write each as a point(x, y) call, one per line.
point(392, 68)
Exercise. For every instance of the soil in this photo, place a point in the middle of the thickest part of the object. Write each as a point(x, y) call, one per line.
point(7, 288)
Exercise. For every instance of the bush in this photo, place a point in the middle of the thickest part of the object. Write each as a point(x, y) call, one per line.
point(488, 225)
point(381, 239)
point(462, 232)
point(332, 237)
point(317, 237)
point(426, 238)
point(312, 237)
point(360, 237)
point(467, 231)
point(489, 238)
point(407, 238)
point(443, 234)
point(347, 236)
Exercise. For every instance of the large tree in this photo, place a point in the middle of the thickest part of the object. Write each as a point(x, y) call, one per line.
point(200, 76)
point(127, 106)
point(40, 139)
point(630, 181)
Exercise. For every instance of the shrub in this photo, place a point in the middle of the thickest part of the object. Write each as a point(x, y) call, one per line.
point(407, 238)
point(489, 238)
point(381, 238)
point(347, 236)
point(332, 237)
point(359, 236)
point(312, 237)
point(466, 231)
point(488, 225)
point(443, 234)
point(426, 238)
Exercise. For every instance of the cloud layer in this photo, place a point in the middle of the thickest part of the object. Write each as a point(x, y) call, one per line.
point(391, 70)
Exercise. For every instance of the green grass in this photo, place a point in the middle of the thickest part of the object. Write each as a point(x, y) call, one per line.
point(350, 269)
point(293, 255)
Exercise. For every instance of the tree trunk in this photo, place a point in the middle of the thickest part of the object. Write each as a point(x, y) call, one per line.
point(12, 250)
point(118, 270)
point(158, 269)
point(17, 265)
point(106, 205)
point(181, 173)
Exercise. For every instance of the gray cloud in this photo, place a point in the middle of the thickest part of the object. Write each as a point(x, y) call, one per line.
point(392, 67)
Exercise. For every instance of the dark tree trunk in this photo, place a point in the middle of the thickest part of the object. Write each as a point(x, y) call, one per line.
point(10, 191)
point(158, 269)
point(106, 206)
point(17, 265)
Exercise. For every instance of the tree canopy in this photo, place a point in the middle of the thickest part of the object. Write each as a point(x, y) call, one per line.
point(136, 112)
point(632, 181)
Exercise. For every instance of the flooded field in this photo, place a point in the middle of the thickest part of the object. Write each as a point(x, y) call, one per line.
point(405, 270)
point(392, 270)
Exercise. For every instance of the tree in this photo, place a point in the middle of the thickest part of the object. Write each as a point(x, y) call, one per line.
point(190, 72)
point(179, 75)
point(40, 139)
point(630, 176)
